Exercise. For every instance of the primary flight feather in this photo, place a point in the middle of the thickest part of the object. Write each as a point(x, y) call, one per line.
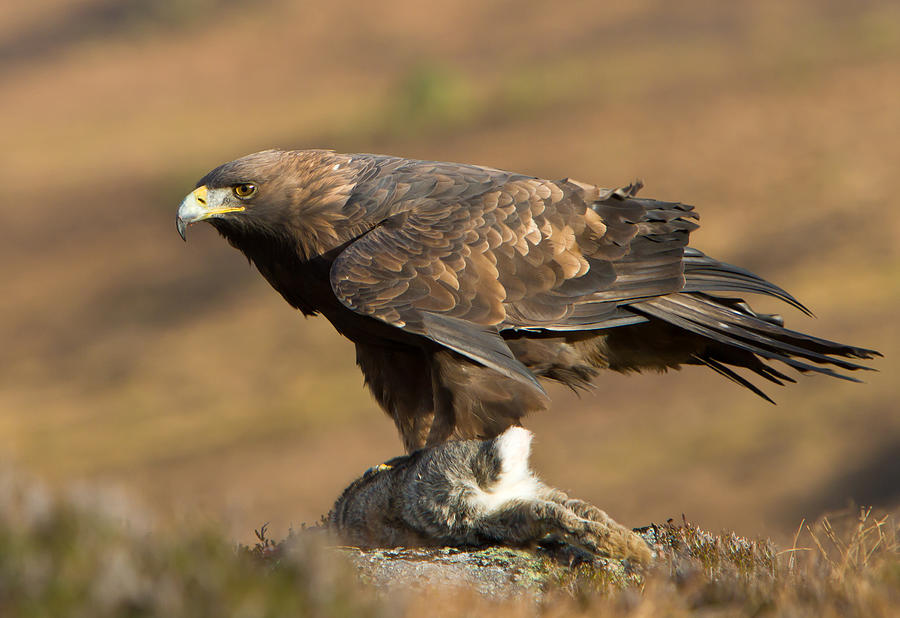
point(461, 285)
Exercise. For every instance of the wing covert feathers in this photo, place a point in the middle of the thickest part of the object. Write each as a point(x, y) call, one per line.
point(466, 255)
point(524, 253)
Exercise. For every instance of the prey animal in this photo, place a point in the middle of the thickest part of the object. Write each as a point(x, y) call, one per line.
point(461, 286)
point(473, 493)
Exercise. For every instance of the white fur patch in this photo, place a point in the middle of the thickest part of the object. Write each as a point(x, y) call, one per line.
point(514, 448)
point(516, 480)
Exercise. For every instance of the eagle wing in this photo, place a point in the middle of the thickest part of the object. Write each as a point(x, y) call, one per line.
point(479, 251)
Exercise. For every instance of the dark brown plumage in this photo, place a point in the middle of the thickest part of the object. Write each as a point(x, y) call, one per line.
point(460, 285)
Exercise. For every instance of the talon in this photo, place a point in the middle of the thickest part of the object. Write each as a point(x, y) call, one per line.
point(379, 468)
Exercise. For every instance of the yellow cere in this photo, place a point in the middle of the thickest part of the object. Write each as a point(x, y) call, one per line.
point(200, 194)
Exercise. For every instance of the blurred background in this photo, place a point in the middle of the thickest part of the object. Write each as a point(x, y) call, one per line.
point(174, 372)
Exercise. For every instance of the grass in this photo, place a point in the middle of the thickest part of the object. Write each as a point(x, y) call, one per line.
point(89, 553)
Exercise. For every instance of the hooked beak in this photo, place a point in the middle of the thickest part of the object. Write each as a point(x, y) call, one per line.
point(199, 205)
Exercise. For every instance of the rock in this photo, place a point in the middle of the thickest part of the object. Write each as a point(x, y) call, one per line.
point(498, 572)
point(503, 572)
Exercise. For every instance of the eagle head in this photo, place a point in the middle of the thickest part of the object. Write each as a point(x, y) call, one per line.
point(266, 192)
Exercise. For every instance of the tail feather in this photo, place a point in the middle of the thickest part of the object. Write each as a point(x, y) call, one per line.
point(751, 331)
point(742, 339)
point(705, 274)
point(741, 314)
point(659, 308)
point(729, 373)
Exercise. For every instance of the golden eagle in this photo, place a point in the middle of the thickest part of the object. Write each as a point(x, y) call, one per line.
point(460, 285)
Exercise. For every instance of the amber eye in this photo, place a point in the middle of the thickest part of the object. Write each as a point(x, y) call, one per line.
point(244, 190)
